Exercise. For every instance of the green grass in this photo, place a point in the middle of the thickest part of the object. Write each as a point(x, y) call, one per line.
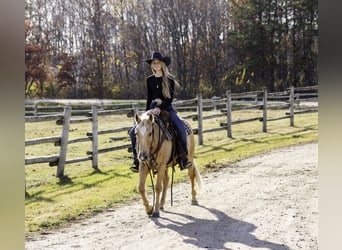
point(52, 202)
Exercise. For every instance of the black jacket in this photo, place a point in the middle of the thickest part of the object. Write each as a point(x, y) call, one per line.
point(154, 90)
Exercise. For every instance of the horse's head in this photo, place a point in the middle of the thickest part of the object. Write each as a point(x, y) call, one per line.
point(144, 132)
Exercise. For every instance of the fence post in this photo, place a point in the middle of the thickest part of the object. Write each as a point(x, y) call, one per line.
point(229, 114)
point(94, 138)
point(35, 110)
point(135, 109)
point(264, 111)
point(297, 100)
point(291, 106)
point(214, 100)
point(200, 119)
point(64, 141)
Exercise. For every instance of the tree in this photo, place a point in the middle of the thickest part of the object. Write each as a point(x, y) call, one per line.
point(96, 48)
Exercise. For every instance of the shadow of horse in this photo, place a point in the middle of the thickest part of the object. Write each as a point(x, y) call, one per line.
point(214, 234)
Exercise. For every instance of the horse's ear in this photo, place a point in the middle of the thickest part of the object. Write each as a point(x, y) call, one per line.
point(151, 117)
point(137, 118)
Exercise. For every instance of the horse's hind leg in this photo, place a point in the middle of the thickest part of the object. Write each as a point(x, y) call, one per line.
point(191, 173)
point(192, 170)
point(142, 179)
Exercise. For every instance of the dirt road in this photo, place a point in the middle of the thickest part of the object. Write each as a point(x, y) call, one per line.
point(265, 202)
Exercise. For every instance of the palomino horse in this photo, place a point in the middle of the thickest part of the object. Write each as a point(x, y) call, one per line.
point(156, 154)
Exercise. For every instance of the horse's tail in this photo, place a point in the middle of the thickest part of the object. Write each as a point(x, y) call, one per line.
point(198, 177)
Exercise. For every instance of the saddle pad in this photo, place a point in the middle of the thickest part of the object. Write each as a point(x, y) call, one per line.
point(169, 130)
point(187, 128)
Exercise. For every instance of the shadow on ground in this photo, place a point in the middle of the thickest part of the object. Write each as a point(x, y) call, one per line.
point(214, 234)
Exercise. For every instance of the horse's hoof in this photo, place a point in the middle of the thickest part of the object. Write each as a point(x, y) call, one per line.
point(194, 203)
point(149, 212)
point(161, 208)
point(155, 215)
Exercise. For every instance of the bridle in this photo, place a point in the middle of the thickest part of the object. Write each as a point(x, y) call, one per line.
point(153, 151)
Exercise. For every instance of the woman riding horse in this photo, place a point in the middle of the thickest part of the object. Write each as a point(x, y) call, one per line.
point(160, 91)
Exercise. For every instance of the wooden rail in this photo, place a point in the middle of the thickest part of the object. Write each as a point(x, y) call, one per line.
point(258, 100)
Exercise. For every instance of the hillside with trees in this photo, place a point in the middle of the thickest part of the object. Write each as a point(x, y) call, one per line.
point(96, 48)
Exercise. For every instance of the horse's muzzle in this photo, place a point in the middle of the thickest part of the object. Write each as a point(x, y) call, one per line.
point(144, 156)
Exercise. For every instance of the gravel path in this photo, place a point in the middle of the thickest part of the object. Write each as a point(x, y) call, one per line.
point(265, 202)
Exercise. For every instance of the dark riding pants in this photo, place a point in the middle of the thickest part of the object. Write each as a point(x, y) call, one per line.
point(180, 129)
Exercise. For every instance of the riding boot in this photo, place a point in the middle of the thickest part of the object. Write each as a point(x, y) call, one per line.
point(183, 158)
point(184, 163)
point(135, 166)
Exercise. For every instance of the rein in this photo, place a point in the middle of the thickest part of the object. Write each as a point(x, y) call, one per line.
point(154, 194)
point(160, 140)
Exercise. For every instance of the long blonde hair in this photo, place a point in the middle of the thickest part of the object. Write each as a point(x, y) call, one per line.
point(166, 75)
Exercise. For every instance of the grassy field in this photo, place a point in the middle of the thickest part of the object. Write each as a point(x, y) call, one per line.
point(51, 202)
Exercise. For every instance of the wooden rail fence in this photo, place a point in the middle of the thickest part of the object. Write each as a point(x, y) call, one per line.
point(259, 100)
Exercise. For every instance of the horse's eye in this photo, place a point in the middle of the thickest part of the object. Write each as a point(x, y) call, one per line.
point(150, 134)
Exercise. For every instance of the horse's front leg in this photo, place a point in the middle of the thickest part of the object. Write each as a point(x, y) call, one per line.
point(158, 188)
point(165, 187)
point(143, 171)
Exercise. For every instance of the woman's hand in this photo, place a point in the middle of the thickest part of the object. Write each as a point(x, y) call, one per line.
point(158, 101)
point(156, 111)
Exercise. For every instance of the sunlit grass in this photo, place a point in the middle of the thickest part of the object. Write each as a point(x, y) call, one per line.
point(53, 202)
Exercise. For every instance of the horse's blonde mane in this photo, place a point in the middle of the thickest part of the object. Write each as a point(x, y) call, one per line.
point(145, 115)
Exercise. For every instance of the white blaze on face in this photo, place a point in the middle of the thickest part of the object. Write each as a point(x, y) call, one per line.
point(142, 130)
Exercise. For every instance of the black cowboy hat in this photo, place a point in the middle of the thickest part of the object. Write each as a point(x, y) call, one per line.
point(157, 55)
